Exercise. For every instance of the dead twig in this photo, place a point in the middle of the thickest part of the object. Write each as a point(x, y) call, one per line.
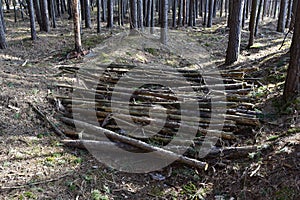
point(30, 184)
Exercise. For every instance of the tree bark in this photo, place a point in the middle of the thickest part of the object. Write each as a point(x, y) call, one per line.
point(133, 14)
point(164, 24)
point(52, 2)
point(293, 14)
point(234, 42)
point(87, 9)
point(140, 15)
point(292, 83)
point(76, 20)
point(282, 15)
point(98, 16)
point(288, 17)
point(3, 44)
point(210, 13)
point(44, 16)
point(110, 13)
point(32, 21)
point(252, 23)
point(258, 16)
point(174, 13)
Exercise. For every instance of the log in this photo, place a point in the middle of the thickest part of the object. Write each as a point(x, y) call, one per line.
point(142, 145)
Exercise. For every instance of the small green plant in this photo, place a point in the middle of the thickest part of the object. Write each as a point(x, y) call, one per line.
point(153, 51)
point(29, 195)
point(78, 160)
point(97, 195)
point(71, 185)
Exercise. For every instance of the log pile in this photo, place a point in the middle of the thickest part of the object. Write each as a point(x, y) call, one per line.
point(96, 102)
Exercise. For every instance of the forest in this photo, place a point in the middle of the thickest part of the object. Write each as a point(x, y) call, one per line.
point(150, 99)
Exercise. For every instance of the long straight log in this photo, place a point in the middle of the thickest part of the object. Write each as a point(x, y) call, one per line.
point(142, 145)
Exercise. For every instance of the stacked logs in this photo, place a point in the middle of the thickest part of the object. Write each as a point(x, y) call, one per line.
point(96, 100)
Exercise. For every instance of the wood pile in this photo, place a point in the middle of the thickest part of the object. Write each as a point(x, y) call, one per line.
point(238, 104)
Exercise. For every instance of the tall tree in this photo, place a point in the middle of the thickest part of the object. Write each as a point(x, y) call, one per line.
point(148, 13)
point(2, 17)
point(3, 44)
point(289, 11)
point(164, 22)
point(234, 41)
point(133, 14)
point(210, 12)
point(32, 21)
point(292, 83)
point(44, 16)
point(180, 11)
point(87, 13)
point(282, 15)
point(205, 9)
point(98, 16)
point(110, 13)
point(174, 13)
point(258, 16)
point(76, 20)
point(140, 14)
point(252, 23)
point(52, 3)
point(293, 14)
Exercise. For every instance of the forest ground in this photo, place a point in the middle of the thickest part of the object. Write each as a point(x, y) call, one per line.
point(34, 165)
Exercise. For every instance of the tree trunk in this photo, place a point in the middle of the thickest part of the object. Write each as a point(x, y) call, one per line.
point(174, 13)
point(205, 12)
point(148, 13)
point(288, 17)
point(180, 7)
point(32, 21)
point(140, 14)
point(164, 22)
point(76, 19)
point(87, 9)
point(53, 13)
point(184, 12)
point(104, 6)
point(191, 13)
point(152, 17)
point(230, 2)
point(244, 14)
point(258, 16)
point(282, 15)
point(98, 16)
point(292, 83)
point(215, 8)
point(264, 9)
point(133, 14)
point(3, 44)
point(221, 8)
point(2, 17)
point(234, 42)
point(110, 13)
point(45, 16)
point(252, 23)
point(275, 9)
point(210, 12)
point(293, 14)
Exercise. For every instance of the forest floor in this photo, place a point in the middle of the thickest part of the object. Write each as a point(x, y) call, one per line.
point(35, 165)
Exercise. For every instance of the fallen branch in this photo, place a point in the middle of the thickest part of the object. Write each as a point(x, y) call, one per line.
point(226, 152)
point(30, 184)
point(141, 145)
point(55, 128)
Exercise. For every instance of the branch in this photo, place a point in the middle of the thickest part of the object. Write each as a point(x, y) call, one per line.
point(55, 128)
point(139, 144)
